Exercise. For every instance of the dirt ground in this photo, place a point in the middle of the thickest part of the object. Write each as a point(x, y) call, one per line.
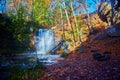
point(82, 65)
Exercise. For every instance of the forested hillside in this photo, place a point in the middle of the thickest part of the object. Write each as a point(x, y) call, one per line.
point(59, 39)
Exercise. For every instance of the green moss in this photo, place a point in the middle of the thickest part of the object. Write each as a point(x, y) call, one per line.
point(64, 55)
point(27, 73)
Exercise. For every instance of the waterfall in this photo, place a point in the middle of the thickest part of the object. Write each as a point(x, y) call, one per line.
point(45, 41)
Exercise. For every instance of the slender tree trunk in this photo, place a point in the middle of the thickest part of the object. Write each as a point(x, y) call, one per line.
point(90, 27)
point(63, 33)
point(78, 32)
point(33, 14)
point(112, 12)
point(72, 32)
point(89, 22)
point(15, 5)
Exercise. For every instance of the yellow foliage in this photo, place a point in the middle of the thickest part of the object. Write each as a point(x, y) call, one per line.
point(47, 2)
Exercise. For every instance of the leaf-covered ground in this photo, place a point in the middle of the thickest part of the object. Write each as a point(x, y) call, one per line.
point(82, 66)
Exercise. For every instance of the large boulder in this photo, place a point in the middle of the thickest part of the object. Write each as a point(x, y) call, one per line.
point(105, 12)
point(114, 31)
point(99, 57)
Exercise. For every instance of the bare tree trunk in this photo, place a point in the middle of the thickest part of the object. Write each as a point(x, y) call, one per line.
point(63, 33)
point(72, 32)
point(112, 11)
point(36, 55)
point(89, 22)
point(78, 32)
point(15, 5)
point(90, 27)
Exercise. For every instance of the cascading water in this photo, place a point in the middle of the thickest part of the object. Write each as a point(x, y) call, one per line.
point(45, 41)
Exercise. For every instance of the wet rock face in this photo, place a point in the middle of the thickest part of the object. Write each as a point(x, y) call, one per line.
point(114, 31)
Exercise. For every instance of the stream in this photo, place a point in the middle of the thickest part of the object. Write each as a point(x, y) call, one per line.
point(45, 41)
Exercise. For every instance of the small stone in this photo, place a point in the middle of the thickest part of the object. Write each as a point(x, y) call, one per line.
point(100, 57)
point(88, 47)
point(103, 36)
point(111, 43)
point(106, 52)
point(97, 55)
point(104, 58)
point(90, 71)
point(115, 68)
point(108, 71)
point(82, 49)
point(94, 50)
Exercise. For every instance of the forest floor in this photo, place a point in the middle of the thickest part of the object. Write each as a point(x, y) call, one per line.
point(83, 66)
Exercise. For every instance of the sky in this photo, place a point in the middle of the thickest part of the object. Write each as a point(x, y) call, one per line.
point(1, 2)
point(91, 6)
point(0, 7)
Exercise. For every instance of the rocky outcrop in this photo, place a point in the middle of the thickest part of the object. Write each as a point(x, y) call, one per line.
point(114, 31)
point(106, 14)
